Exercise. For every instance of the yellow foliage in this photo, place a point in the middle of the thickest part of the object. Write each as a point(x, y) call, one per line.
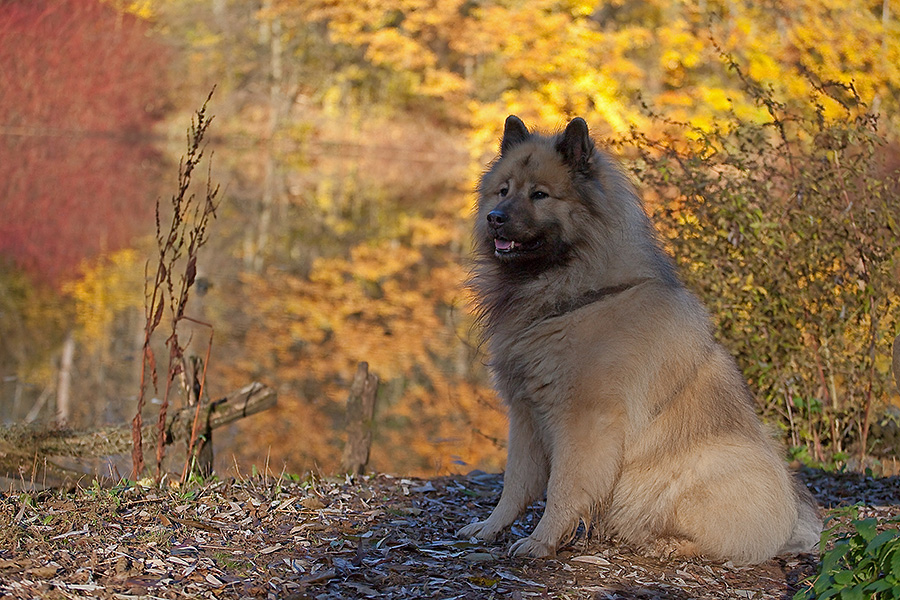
point(108, 286)
point(440, 83)
point(395, 300)
point(33, 322)
point(764, 67)
point(398, 304)
point(717, 98)
point(144, 9)
point(390, 47)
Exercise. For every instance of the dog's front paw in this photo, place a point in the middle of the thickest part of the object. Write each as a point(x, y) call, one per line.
point(479, 530)
point(529, 546)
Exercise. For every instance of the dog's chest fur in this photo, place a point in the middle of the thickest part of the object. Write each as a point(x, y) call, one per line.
point(537, 380)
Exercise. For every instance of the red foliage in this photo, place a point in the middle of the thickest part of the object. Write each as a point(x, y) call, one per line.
point(80, 86)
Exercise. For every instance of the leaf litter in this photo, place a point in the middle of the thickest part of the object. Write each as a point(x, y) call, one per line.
point(373, 537)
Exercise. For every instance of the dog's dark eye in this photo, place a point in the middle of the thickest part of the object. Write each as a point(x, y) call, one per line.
point(539, 195)
point(504, 191)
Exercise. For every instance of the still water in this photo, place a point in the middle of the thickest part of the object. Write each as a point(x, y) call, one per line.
point(321, 255)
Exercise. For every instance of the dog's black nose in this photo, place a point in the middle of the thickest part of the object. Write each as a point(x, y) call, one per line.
point(496, 218)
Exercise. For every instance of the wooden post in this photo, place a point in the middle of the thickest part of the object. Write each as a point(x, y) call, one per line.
point(201, 455)
point(360, 412)
point(896, 362)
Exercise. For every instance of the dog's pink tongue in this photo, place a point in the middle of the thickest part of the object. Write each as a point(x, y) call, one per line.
point(502, 244)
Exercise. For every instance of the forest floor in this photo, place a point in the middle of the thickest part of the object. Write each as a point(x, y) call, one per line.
point(376, 537)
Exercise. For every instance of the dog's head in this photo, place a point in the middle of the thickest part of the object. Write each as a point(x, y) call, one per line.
point(536, 197)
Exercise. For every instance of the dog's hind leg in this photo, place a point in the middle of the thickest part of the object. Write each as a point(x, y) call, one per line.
point(524, 481)
point(740, 505)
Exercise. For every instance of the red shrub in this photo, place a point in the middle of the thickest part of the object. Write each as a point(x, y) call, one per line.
point(80, 87)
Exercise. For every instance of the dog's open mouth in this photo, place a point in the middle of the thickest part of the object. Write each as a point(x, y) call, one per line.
point(502, 246)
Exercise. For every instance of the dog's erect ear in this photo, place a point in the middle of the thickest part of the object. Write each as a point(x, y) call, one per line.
point(514, 132)
point(576, 145)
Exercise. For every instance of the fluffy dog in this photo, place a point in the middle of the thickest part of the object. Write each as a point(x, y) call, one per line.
point(622, 406)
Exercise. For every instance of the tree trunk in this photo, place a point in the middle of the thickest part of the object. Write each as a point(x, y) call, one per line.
point(64, 387)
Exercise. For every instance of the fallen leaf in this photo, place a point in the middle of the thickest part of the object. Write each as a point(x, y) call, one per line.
point(478, 557)
point(42, 572)
point(271, 549)
point(593, 560)
point(312, 503)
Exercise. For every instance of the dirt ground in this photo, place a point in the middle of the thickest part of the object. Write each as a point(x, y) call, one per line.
point(377, 537)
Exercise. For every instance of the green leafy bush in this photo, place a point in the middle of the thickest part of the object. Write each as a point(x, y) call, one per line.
point(785, 221)
point(861, 563)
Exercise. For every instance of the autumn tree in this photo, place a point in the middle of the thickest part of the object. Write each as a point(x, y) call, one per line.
point(339, 283)
point(80, 87)
point(349, 214)
point(550, 60)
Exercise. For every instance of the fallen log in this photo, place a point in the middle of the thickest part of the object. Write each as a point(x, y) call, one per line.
point(42, 457)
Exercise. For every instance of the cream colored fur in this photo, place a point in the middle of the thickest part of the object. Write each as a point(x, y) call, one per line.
point(624, 411)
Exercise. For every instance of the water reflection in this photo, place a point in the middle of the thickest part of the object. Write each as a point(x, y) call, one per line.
point(66, 198)
point(323, 254)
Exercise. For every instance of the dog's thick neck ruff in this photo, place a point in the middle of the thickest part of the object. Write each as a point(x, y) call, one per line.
point(590, 297)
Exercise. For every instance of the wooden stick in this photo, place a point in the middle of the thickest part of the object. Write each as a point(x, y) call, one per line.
point(360, 412)
point(896, 362)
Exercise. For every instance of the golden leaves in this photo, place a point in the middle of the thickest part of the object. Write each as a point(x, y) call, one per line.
point(374, 305)
point(396, 302)
point(108, 286)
